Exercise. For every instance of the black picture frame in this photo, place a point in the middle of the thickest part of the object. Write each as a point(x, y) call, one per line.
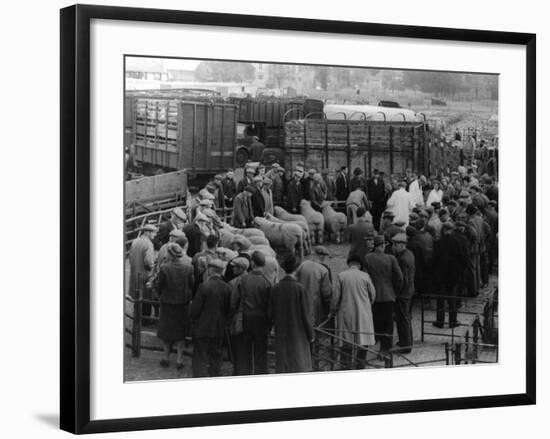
point(75, 217)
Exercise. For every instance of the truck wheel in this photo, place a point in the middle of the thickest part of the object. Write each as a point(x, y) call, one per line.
point(242, 156)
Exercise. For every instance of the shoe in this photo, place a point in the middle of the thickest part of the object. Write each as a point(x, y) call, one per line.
point(164, 363)
point(454, 324)
point(437, 324)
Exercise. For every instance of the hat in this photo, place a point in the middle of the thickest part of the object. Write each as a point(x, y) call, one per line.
point(249, 170)
point(321, 250)
point(442, 212)
point(179, 213)
point(298, 173)
point(257, 178)
point(317, 178)
point(249, 188)
point(218, 177)
point(464, 194)
point(388, 214)
point(175, 250)
point(176, 233)
point(471, 209)
point(423, 214)
point(399, 223)
point(311, 171)
point(299, 168)
point(201, 217)
point(475, 187)
point(413, 217)
point(379, 240)
point(411, 231)
point(400, 237)
point(370, 235)
point(452, 203)
point(417, 210)
point(419, 223)
point(275, 165)
point(436, 205)
point(205, 202)
point(241, 262)
point(281, 169)
point(149, 228)
point(217, 264)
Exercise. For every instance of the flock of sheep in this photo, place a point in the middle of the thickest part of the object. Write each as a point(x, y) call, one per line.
point(296, 233)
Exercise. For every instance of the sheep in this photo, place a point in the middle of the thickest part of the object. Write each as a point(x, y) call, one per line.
point(303, 226)
point(271, 269)
point(251, 231)
point(282, 235)
point(226, 236)
point(315, 221)
point(335, 222)
point(287, 216)
point(258, 240)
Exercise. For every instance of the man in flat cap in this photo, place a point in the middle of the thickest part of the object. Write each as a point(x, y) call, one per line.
point(293, 325)
point(294, 193)
point(247, 180)
point(342, 184)
point(358, 234)
point(210, 312)
point(329, 184)
point(376, 192)
point(267, 193)
point(388, 281)
point(388, 228)
point(404, 296)
point(229, 187)
point(142, 260)
point(256, 198)
point(277, 189)
point(315, 277)
point(196, 233)
point(242, 208)
point(450, 262)
point(219, 196)
point(177, 221)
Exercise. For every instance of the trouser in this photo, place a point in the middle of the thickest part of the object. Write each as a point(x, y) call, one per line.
point(346, 358)
point(207, 357)
point(351, 213)
point(484, 268)
point(492, 254)
point(377, 210)
point(471, 276)
point(403, 321)
point(383, 323)
point(454, 293)
point(251, 347)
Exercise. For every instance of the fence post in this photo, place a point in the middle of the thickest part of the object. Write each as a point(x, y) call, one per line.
point(458, 348)
point(388, 360)
point(447, 354)
point(475, 338)
point(136, 321)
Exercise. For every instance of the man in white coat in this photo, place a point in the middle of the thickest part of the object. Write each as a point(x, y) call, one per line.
point(401, 203)
point(415, 189)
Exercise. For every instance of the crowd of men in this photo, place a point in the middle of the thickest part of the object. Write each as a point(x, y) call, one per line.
point(408, 237)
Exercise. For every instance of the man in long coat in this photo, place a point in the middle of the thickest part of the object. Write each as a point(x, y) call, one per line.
point(210, 312)
point(342, 184)
point(292, 320)
point(376, 192)
point(405, 258)
point(358, 234)
point(388, 280)
point(294, 193)
point(229, 188)
point(242, 209)
point(422, 247)
point(401, 203)
point(354, 294)
point(315, 278)
point(142, 261)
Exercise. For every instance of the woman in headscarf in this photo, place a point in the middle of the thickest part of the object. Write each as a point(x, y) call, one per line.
point(174, 286)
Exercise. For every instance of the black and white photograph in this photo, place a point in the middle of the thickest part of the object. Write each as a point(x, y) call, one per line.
point(300, 218)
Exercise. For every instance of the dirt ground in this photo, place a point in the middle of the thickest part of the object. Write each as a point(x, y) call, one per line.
point(147, 367)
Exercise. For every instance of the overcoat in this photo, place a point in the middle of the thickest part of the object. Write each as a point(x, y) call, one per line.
point(354, 294)
point(142, 260)
point(315, 278)
point(386, 275)
point(293, 326)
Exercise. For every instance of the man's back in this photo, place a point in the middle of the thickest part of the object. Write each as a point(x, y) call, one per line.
point(385, 274)
point(315, 279)
point(211, 308)
point(256, 289)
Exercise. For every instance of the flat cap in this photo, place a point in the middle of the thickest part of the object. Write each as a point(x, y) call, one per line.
point(379, 240)
point(241, 262)
point(388, 214)
point(257, 178)
point(217, 264)
point(400, 237)
point(176, 233)
point(149, 228)
point(312, 171)
point(206, 202)
point(179, 213)
point(299, 168)
point(218, 177)
point(411, 231)
point(249, 170)
point(275, 165)
point(400, 223)
point(175, 250)
point(464, 194)
point(201, 217)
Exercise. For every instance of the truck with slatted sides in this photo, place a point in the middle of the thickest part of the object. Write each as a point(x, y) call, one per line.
point(389, 146)
point(174, 134)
